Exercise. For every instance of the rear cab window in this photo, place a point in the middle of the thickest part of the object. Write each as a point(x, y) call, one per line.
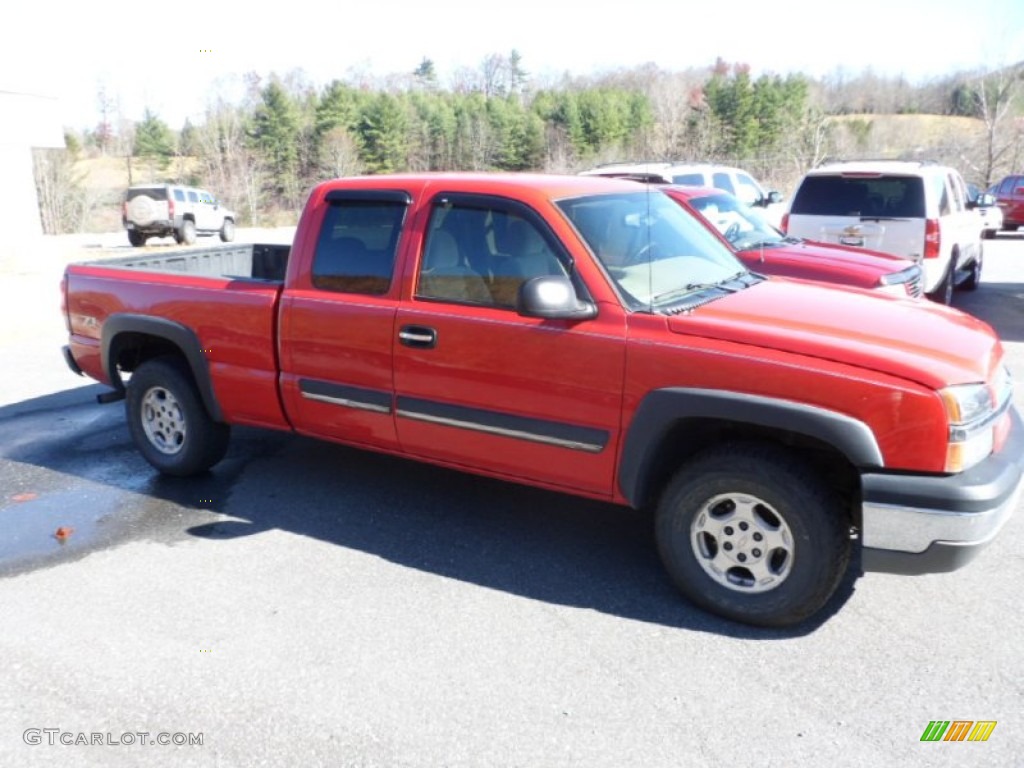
point(358, 241)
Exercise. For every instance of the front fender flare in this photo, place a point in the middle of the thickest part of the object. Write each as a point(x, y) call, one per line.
point(662, 409)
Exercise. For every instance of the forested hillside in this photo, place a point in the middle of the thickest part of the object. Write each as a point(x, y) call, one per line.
point(262, 152)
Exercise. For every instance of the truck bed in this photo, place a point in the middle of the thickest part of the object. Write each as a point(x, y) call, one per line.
point(227, 298)
point(256, 261)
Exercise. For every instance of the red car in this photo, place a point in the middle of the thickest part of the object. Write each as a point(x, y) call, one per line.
point(1010, 199)
point(767, 251)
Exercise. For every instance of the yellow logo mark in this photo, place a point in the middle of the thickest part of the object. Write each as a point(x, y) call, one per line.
point(982, 730)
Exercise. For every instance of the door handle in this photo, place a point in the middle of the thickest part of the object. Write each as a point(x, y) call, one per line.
point(418, 336)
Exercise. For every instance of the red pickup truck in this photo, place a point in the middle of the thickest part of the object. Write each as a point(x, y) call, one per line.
point(587, 336)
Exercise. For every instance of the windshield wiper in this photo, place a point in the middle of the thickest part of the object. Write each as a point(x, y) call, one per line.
point(721, 285)
point(762, 244)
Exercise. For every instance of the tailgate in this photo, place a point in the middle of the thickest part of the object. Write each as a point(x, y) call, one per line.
point(899, 237)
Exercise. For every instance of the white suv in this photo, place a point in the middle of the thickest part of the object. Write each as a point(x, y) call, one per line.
point(735, 181)
point(159, 210)
point(916, 210)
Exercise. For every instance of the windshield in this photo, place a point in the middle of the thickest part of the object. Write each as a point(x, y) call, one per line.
point(743, 227)
point(652, 249)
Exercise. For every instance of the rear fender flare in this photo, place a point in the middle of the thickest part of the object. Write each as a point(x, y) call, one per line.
point(116, 332)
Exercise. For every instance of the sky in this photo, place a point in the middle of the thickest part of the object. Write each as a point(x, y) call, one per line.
point(174, 56)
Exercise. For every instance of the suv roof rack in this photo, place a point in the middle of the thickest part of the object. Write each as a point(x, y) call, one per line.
point(835, 160)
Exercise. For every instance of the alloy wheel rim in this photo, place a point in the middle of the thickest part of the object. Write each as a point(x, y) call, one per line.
point(742, 543)
point(163, 420)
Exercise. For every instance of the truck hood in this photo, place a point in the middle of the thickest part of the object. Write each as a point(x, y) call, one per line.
point(826, 262)
point(915, 340)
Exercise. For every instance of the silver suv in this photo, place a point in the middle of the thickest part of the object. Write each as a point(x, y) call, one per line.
point(159, 210)
point(916, 210)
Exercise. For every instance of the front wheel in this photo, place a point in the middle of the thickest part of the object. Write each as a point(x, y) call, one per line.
point(943, 293)
point(168, 422)
point(750, 533)
point(227, 231)
point(973, 275)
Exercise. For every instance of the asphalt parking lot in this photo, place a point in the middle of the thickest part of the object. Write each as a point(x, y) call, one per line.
point(307, 604)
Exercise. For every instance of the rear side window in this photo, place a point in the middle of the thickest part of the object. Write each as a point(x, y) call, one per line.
point(941, 193)
point(883, 196)
point(722, 181)
point(179, 195)
point(689, 179)
point(357, 246)
point(193, 197)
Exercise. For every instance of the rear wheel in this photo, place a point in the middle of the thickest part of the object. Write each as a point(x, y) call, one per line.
point(136, 238)
point(187, 233)
point(750, 533)
point(168, 422)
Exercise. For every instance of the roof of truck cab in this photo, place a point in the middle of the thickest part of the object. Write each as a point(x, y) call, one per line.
point(550, 186)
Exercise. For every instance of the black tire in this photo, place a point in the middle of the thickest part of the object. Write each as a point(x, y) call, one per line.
point(136, 238)
point(974, 275)
point(770, 485)
point(943, 293)
point(168, 422)
point(988, 234)
point(187, 233)
point(227, 231)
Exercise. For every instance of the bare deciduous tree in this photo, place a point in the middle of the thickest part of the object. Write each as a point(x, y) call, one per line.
point(64, 202)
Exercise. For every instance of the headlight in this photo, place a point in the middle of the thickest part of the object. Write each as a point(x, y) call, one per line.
point(966, 403)
point(972, 411)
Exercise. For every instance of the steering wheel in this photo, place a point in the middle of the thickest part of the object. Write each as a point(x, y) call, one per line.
point(641, 255)
point(732, 232)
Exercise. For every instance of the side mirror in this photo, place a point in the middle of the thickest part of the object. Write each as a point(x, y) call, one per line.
point(552, 297)
point(774, 197)
point(985, 200)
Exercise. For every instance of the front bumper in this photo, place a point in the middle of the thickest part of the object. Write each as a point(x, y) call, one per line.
point(930, 524)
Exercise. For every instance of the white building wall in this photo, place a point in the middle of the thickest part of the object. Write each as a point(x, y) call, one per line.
point(26, 122)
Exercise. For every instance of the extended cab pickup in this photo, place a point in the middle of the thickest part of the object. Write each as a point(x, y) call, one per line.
point(587, 336)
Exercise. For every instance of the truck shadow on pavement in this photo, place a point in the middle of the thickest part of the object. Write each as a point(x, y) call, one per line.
point(537, 544)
